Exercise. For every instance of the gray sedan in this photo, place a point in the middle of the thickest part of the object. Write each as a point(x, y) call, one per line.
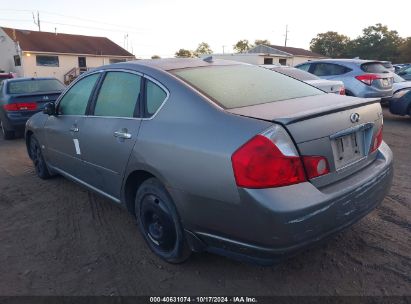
point(217, 155)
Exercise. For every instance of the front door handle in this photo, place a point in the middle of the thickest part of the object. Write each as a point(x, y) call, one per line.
point(74, 129)
point(122, 134)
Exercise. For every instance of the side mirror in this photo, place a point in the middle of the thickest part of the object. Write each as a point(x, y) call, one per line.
point(50, 108)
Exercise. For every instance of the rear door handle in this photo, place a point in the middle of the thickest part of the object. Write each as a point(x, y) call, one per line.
point(122, 134)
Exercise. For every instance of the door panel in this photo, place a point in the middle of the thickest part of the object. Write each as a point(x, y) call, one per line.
point(62, 130)
point(108, 137)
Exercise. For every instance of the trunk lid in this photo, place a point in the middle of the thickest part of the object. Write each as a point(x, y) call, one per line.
point(40, 98)
point(339, 128)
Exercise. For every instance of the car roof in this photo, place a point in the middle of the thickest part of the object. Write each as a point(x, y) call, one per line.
point(180, 63)
point(355, 61)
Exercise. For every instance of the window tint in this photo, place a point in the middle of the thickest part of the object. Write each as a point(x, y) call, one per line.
point(75, 101)
point(118, 95)
point(329, 69)
point(34, 86)
point(49, 61)
point(155, 97)
point(373, 67)
point(304, 67)
point(244, 85)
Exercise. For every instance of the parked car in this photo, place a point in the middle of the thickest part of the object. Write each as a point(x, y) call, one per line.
point(217, 155)
point(4, 76)
point(388, 65)
point(400, 66)
point(405, 73)
point(20, 98)
point(400, 102)
point(361, 78)
point(328, 86)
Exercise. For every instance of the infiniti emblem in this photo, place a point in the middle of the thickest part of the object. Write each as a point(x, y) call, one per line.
point(355, 117)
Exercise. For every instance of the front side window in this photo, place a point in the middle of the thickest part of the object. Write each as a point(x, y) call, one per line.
point(328, 69)
point(237, 86)
point(75, 101)
point(48, 61)
point(118, 95)
point(155, 97)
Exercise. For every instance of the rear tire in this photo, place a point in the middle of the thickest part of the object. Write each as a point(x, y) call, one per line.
point(6, 134)
point(37, 157)
point(159, 222)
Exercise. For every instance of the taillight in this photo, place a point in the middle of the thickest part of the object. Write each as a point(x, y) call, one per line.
point(367, 78)
point(377, 140)
point(342, 91)
point(268, 160)
point(315, 166)
point(21, 106)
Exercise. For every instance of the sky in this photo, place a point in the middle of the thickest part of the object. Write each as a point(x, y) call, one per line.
point(161, 27)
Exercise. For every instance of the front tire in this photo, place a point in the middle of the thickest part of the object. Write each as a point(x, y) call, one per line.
point(159, 223)
point(37, 157)
point(6, 134)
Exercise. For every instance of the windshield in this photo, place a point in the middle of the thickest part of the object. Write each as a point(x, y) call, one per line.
point(34, 86)
point(244, 85)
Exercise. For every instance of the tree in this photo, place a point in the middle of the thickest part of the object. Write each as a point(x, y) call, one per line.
point(260, 41)
point(202, 49)
point(155, 57)
point(404, 51)
point(242, 46)
point(183, 53)
point(330, 44)
point(376, 42)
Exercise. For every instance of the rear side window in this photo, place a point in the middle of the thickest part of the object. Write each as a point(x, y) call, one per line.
point(237, 86)
point(118, 95)
point(34, 86)
point(75, 101)
point(329, 69)
point(373, 67)
point(155, 97)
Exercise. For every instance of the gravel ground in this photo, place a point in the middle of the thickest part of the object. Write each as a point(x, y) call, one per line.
point(59, 239)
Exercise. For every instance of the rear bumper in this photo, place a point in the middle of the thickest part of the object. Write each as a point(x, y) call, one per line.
point(16, 121)
point(281, 222)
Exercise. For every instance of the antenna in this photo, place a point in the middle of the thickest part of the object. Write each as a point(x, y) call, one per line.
point(37, 22)
point(286, 35)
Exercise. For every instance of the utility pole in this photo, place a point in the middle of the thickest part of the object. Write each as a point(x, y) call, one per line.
point(223, 48)
point(286, 35)
point(37, 22)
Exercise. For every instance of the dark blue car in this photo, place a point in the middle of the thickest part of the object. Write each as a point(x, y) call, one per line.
point(20, 98)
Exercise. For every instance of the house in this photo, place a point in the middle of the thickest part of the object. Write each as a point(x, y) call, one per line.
point(64, 56)
point(272, 54)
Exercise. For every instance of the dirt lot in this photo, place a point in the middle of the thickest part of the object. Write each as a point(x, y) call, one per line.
point(59, 239)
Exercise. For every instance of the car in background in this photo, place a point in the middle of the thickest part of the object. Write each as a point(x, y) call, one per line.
point(4, 76)
point(400, 102)
point(405, 72)
point(361, 78)
point(400, 66)
point(20, 98)
point(217, 155)
point(328, 86)
point(388, 65)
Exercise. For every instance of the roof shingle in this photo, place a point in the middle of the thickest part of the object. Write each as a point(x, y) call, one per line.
point(65, 43)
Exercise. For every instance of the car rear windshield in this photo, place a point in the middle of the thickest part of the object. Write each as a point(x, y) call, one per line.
point(34, 86)
point(296, 73)
point(237, 86)
point(373, 67)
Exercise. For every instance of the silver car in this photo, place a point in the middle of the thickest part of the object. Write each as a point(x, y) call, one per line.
point(328, 86)
point(217, 155)
point(362, 78)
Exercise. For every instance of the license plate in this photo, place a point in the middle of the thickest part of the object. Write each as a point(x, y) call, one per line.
point(347, 149)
